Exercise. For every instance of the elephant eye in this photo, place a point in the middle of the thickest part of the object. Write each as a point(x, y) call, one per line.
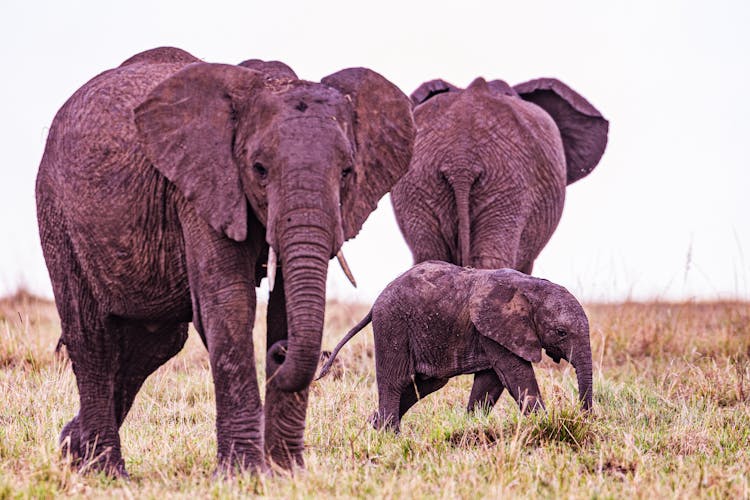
point(561, 332)
point(260, 170)
point(346, 172)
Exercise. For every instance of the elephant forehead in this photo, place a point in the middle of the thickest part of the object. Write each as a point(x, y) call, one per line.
point(306, 98)
point(565, 308)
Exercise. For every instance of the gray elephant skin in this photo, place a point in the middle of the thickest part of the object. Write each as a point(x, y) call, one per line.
point(486, 184)
point(439, 320)
point(165, 185)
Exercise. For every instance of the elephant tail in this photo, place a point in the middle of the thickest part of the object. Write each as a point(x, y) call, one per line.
point(464, 225)
point(461, 181)
point(327, 367)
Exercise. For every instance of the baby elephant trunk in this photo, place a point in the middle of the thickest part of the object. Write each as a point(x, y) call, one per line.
point(581, 361)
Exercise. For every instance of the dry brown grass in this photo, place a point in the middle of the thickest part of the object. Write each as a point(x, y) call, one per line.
point(671, 419)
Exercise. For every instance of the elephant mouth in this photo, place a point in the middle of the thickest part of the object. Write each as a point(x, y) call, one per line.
point(556, 357)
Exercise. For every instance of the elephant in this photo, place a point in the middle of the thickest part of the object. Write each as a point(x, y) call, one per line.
point(486, 183)
point(438, 320)
point(166, 185)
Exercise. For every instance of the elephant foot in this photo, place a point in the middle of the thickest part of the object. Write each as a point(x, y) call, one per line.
point(286, 457)
point(87, 456)
point(284, 416)
point(70, 441)
point(531, 404)
point(238, 464)
point(380, 423)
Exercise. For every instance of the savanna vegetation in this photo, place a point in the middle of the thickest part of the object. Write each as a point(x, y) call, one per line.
point(671, 419)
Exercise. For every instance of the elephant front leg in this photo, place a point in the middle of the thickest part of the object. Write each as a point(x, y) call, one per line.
point(516, 374)
point(221, 275)
point(239, 411)
point(485, 392)
point(284, 411)
point(284, 439)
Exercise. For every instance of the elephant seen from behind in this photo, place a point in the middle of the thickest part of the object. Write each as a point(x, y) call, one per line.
point(487, 180)
point(486, 183)
point(166, 185)
point(439, 320)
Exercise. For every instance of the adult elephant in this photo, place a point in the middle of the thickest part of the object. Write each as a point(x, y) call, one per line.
point(486, 184)
point(165, 185)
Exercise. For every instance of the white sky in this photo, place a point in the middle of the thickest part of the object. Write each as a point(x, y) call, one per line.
point(664, 215)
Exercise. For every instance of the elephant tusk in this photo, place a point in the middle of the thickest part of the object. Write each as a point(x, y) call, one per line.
point(345, 268)
point(271, 269)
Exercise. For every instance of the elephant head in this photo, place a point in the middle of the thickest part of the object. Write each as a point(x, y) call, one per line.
point(310, 160)
point(583, 129)
point(526, 315)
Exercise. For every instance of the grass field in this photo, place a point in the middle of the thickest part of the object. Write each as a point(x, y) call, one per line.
point(671, 419)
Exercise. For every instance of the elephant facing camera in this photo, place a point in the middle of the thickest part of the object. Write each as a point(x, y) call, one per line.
point(166, 185)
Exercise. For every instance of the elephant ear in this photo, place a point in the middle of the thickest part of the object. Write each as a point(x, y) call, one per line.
point(582, 127)
point(186, 125)
point(384, 132)
point(274, 69)
point(502, 313)
point(430, 89)
point(500, 87)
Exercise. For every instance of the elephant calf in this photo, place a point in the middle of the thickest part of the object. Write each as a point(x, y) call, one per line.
point(439, 320)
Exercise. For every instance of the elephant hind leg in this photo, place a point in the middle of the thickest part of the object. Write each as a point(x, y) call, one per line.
point(394, 368)
point(389, 400)
point(485, 392)
point(143, 350)
point(419, 389)
point(111, 359)
point(91, 437)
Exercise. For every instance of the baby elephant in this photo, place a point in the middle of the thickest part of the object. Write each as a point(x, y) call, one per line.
point(439, 320)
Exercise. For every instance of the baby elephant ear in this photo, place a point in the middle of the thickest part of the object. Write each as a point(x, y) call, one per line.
point(582, 127)
point(431, 88)
point(187, 125)
point(383, 134)
point(502, 313)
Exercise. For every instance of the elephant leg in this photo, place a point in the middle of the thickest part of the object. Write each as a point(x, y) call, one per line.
point(286, 409)
point(421, 224)
point(432, 248)
point(485, 392)
point(230, 347)
point(284, 441)
point(394, 373)
point(388, 415)
point(91, 437)
point(526, 269)
point(221, 276)
point(143, 351)
point(276, 326)
point(516, 374)
point(419, 389)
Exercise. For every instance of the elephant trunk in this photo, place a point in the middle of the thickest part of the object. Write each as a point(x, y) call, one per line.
point(305, 248)
point(581, 361)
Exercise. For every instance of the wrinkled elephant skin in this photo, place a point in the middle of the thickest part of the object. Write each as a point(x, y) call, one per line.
point(165, 185)
point(438, 320)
